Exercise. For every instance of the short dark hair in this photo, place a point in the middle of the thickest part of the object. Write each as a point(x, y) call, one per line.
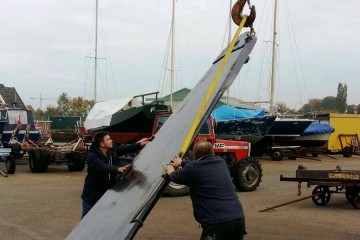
point(99, 137)
point(203, 148)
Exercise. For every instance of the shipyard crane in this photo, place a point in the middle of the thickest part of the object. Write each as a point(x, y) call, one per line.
point(41, 98)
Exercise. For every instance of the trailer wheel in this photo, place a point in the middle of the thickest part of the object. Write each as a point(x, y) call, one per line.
point(347, 152)
point(10, 164)
point(177, 190)
point(37, 161)
point(324, 195)
point(353, 196)
point(249, 174)
point(277, 155)
point(76, 161)
point(315, 154)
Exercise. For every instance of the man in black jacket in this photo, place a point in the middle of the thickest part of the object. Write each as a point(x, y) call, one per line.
point(103, 166)
point(215, 202)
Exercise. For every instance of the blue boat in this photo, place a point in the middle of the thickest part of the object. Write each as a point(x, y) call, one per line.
point(241, 124)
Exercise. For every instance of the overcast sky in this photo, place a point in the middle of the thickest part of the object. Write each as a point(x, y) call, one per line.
point(47, 45)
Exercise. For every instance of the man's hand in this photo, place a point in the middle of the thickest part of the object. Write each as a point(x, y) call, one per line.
point(176, 162)
point(144, 141)
point(124, 168)
point(169, 169)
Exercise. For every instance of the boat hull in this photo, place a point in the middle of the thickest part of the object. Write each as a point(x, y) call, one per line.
point(248, 129)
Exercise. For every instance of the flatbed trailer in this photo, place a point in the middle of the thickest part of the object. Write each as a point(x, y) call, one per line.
point(73, 154)
point(328, 182)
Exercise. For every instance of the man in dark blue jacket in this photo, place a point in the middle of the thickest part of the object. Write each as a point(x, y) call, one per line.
point(103, 167)
point(215, 202)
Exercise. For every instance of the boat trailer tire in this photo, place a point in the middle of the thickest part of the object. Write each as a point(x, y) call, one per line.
point(347, 152)
point(277, 155)
point(249, 174)
point(324, 195)
point(38, 160)
point(10, 164)
point(76, 161)
point(176, 190)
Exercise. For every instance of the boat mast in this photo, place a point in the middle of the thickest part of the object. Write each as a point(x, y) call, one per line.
point(272, 81)
point(172, 55)
point(96, 29)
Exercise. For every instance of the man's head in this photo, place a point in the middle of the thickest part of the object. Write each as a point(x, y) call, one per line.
point(103, 140)
point(203, 148)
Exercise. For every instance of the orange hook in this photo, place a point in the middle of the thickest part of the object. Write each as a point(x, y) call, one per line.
point(236, 13)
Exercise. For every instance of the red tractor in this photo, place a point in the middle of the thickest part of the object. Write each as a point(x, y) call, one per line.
point(245, 171)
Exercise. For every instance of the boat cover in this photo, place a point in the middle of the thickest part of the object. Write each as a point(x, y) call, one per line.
point(121, 210)
point(318, 128)
point(100, 115)
point(226, 112)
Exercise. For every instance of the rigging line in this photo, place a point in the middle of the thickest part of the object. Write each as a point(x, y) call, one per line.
point(164, 65)
point(254, 52)
point(107, 57)
point(298, 53)
point(294, 63)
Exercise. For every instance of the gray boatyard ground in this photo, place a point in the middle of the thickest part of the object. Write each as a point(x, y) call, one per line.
point(47, 206)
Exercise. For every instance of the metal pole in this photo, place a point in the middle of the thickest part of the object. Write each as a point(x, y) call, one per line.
point(96, 29)
point(172, 55)
point(273, 60)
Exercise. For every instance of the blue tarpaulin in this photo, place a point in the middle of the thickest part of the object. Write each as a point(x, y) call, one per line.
point(225, 113)
point(317, 128)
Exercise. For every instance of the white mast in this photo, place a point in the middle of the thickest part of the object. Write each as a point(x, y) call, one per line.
point(96, 29)
point(172, 55)
point(272, 81)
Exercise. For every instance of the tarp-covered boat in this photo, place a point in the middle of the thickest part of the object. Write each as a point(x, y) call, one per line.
point(243, 124)
point(126, 119)
point(316, 135)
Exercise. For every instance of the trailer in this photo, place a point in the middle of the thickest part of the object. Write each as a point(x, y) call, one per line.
point(7, 160)
point(73, 154)
point(345, 138)
point(328, 182)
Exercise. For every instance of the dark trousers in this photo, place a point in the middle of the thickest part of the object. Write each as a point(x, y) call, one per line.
point(231, 230)
point(86, 206)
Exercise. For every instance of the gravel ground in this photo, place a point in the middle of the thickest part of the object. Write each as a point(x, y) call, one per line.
point(48, 206)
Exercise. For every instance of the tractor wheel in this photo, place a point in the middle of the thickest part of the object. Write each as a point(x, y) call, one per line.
point(347, 152)
point(10, 164)
point(76, 161)
point(38, 161)
point(177, 190)
point(249, 174)
point(277, 155)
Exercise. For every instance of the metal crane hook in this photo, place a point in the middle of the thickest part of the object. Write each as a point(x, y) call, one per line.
point(236, 13)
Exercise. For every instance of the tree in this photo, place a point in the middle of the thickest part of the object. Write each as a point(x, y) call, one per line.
point(358, 109)
point(329, 103)
point(351, 109)
point(313, 105)
point(63, 104)
point(341, 98)
point(281, 107)
point(80, 106)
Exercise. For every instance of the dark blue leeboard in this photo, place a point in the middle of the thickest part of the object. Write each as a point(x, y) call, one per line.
point(120, 212)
